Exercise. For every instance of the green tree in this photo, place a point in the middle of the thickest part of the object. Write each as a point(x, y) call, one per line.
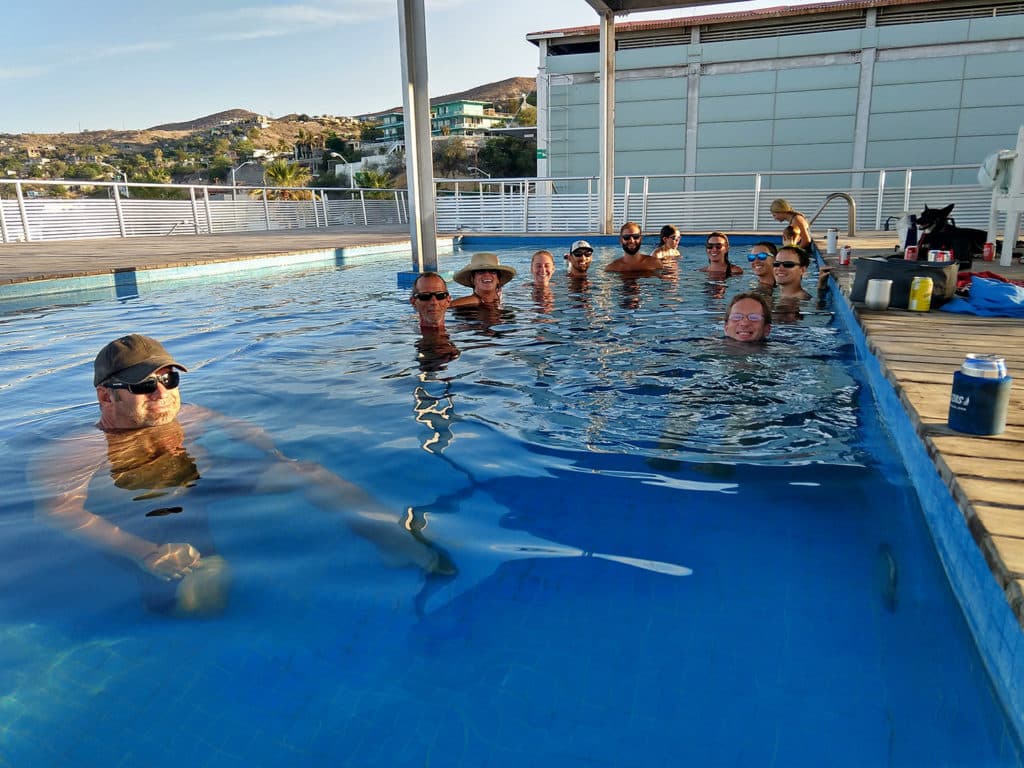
point(156, 176)
point(374, 179)
point(370, 131)
point(527, 115)
point(281, 173)
point(450, 157)
point(509, 157)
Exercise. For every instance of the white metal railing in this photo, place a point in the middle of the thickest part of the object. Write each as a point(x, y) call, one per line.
point(31, 211)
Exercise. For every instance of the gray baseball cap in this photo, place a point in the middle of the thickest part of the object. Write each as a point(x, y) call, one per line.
point(131, 359)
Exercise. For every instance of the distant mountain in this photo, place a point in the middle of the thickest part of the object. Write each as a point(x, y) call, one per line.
point(207, 122)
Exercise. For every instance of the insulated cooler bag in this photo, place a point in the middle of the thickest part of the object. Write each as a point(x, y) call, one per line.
point(902, 274)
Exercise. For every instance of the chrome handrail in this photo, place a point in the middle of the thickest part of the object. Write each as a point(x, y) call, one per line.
point(851, 210)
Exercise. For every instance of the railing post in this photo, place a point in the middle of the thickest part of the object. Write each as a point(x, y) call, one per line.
point(526, 205)
point(398, 204)
point(323, 202)
point(643, 208)
point(881, 197)
point(3, 223)
point(458, 205)
point(195, 210)
point(22, 212)
point(757, 200)
point(209, 211)
point(625, 199)
point(906, 190)
point(590, 203)
point(119, 212)
point(316, 212)
point(266, 209)
point(362, 202)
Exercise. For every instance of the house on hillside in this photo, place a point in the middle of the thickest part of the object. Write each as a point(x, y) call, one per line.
point(465, 118)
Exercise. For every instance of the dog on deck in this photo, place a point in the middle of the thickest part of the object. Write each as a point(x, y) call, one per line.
point(939, 233)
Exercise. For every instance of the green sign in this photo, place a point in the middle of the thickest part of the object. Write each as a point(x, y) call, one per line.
point(542, 154)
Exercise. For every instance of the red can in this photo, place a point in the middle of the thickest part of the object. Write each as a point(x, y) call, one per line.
point(844, 255)
point(910, 253)
point(988, 252)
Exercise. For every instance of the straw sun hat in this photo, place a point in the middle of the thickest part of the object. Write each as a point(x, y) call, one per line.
point(481, 261)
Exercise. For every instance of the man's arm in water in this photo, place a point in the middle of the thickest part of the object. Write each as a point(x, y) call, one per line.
point(60, 476)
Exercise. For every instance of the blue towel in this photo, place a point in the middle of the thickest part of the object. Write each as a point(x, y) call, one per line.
point(990, 298)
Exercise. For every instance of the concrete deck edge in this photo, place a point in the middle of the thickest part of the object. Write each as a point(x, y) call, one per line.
point(992, 621)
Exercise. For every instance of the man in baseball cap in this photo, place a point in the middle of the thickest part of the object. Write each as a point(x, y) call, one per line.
point(136, 382)
point(578, 259)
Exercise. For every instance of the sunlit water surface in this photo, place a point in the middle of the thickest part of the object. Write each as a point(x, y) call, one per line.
point(670, 550)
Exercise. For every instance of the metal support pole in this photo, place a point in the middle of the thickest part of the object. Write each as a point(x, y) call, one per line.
point(643, 208)
point(526, 206)
point(4, 237)
point(412, 33)
point(266, 209)
point(22, 212)
point(881, 198)
point(757, 199)
point(906, 189)
point(398, 204)
point(208, 209)
point(195, 210)
point(366, 223)
point(606, 122)
point(119, 212)
point(316, 211)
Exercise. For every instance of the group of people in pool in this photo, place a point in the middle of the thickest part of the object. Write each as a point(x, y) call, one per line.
point(779, 272)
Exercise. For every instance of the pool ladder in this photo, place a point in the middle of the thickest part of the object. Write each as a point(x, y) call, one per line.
point(851, 211)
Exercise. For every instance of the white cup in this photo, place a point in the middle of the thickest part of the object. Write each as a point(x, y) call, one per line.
point(877, 294)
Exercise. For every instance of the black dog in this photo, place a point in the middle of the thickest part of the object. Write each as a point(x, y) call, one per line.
point(939, 233)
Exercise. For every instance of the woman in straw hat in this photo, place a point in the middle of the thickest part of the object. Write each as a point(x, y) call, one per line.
point(486, 277)
point(783, 211)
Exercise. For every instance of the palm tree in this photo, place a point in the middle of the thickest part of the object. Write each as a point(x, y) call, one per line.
point(374, 179)
point(281, 173)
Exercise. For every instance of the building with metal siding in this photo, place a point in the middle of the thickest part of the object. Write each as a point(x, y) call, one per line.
point(851, 85)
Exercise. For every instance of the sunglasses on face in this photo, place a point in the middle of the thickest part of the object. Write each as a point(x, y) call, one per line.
point(148, 386)
point(752, 257)
point(786, 264)
point(714, 246)
point(754, 317)
point(426, 296)
point(582, 252)
point(631, 237)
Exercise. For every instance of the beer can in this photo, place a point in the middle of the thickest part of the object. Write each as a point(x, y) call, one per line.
point(910, 253)
point(943, 256)
point(988, 252)
point(845, 253)
point(920, 294)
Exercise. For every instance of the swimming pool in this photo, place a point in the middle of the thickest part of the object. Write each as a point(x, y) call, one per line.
point(578, 441)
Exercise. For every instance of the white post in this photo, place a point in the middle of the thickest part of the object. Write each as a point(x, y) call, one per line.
point(757, 199)
point(18, 193)
point(366, 222)
point(118, 211)
point(266, 209)
point(881, 198)
point(906, 189)
point(3, 223)
point(606, 122)
point(195, 210)
point(412, 33)
point(209, 212)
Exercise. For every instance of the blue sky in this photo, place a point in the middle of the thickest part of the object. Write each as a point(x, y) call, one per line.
point(70, 65)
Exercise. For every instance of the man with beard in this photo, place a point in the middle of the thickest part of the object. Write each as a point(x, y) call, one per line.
point(631, 259)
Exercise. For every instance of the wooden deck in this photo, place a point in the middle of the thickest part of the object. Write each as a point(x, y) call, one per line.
point(919, 353)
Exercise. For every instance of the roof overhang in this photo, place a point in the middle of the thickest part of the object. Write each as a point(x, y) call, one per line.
point(636, 6)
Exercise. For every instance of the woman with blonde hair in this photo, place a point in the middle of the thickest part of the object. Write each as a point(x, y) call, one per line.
point(783, 211)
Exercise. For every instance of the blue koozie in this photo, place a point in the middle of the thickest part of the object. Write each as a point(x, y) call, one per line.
point(981, 396)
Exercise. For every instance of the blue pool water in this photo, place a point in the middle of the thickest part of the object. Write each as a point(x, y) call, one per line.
point(669, 550)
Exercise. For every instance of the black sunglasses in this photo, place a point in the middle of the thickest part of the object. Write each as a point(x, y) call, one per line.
point(786, 264)
point(170, 380)
point(714, 246)
point(583, 252)
point(439, 295)
point(631, 237)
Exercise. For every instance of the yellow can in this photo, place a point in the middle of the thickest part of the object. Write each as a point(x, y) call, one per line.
point(921, 294)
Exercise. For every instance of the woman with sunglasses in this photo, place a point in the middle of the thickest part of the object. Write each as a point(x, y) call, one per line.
point(719, 266)
point(762, 259)
point(668, 245)
point(486, 276)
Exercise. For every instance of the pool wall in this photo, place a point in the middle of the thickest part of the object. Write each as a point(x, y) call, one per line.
point(996, 631)
point(127, 281)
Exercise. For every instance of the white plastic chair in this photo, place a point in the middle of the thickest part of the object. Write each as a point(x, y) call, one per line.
point(1004, 173)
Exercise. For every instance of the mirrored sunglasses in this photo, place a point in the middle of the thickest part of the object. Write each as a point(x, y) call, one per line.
point(170, 380)
point(752, 257)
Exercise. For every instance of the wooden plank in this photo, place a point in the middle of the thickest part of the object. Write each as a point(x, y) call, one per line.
point(1001, 521)
point(1006, 493)
point(1011, 551)
point(985, 468)
point(960, 445)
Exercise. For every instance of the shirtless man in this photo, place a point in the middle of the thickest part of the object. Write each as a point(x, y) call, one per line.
point(631, 259)
point(135, 482)
point(790, 266)
point(578, 259)
point(430, 299)
point(749, 318)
